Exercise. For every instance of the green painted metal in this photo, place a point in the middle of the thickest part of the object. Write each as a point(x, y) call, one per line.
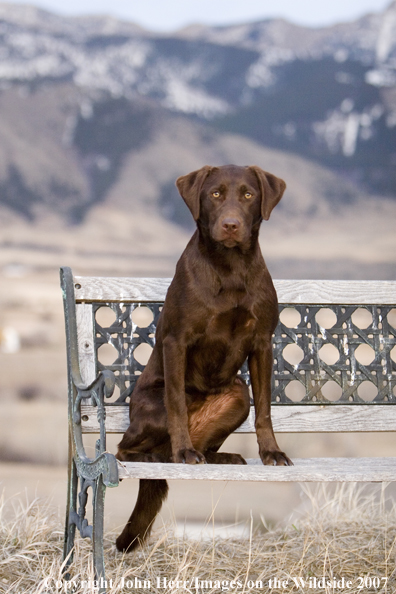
point(91, 473)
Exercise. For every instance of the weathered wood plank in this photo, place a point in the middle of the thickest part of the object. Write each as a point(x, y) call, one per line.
point(120, 289)
point(289, 291)
point(328, 419)
point(304, 470)
point(285, 419)
point(334, 291)
point(85, 337)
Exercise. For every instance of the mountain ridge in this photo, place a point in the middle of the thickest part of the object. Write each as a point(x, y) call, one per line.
point(81, 97)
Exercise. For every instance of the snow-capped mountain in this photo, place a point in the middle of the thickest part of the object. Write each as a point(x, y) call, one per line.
point(327, 94)
point(181, 70)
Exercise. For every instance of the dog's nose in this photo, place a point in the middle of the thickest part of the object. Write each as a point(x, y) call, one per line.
point(231, 225)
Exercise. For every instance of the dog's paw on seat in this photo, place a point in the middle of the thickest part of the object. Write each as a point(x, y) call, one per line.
point(188, 456)
point(275, 458)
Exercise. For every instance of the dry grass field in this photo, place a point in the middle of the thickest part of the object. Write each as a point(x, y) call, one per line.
point(341, 540)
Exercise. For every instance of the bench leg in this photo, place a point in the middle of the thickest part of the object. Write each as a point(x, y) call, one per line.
point(72, 517)
point(97, 534)
point(70, 527)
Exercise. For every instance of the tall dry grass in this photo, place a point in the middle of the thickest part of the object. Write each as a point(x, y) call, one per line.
point(346, 535)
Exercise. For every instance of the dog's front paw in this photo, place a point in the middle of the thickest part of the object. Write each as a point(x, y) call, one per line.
point(275, 458)
point(188, 456)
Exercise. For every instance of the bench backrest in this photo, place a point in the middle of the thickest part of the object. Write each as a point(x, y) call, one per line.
point(334, 349)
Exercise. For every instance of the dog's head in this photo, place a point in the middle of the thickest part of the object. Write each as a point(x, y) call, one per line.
point(230, 201)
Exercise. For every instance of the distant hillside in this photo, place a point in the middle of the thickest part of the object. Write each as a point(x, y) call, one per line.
point(98, 110)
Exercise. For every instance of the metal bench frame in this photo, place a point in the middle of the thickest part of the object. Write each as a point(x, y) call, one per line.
point(98, 394)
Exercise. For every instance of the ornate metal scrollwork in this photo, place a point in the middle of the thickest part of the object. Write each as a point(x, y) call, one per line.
point(125, 336)
point(104, 464)
point(79, 518)
point(312, 372)
point(347, 372)
point(100, 389)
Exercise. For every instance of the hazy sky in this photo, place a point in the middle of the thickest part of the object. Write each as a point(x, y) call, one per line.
point(166, 15)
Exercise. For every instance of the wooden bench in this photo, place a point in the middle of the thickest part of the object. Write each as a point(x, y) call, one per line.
point(343, 379)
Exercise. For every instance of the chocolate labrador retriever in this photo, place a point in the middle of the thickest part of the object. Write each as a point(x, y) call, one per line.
point(221, 309)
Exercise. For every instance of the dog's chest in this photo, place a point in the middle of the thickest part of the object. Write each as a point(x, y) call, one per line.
point(219, 351)
point(236, 322)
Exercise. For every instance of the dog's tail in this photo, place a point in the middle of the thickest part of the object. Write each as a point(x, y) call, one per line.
point(151, 495)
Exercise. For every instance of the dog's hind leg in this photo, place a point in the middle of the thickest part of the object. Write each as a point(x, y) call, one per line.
point(209, 423)
point(212, 421)
point(147, 435)
point(146, 440)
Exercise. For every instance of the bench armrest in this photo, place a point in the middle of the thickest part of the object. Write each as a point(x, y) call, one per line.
point(80, 392)
point(104, 462)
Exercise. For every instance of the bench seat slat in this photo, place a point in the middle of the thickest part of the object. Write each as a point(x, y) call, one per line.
point(304, 470)
point(289, 291)
point(286, 419)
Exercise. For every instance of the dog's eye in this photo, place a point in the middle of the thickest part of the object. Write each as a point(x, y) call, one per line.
point(216, 194)
point(248, 195)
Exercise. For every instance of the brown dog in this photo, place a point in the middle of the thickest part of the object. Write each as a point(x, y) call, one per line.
point(221, 309)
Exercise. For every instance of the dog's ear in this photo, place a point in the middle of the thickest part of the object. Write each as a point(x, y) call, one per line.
point(272, 189)
point(190, 186)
